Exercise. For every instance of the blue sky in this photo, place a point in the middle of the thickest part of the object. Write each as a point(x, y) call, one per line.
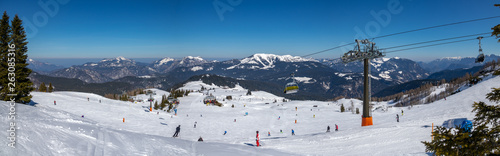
point(178, 28)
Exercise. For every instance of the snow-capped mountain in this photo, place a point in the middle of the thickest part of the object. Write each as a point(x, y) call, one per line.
point(450, 63)
point(266, 61)
point(42, 67)
point(395, 69)
point(167, 64)
point(105, 70)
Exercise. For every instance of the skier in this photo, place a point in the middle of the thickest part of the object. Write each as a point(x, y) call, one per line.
point(295, 108)
point(279, 117)
point(201, 115)
point(54, 102)
point(397, 117)
point(177, 130)
point(225, 132)
point(328, 129)
point(99, 101)
point(200, 139)
point(195, 124)
point(234, 120)
point(83, 116)
point(336, 127)
point(293, 132)
point(268, 133)
point(281, 131)
point(88, 99)
point(401, 112)
point(175, 110)
point(257, 140)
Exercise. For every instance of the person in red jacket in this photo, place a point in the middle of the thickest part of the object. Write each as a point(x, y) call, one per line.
point(257, 139)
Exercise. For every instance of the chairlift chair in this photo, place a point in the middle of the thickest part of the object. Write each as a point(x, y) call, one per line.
point(291, 87)
point(480, 57)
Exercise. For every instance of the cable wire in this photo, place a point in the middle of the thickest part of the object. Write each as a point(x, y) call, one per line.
point(433, 45)
point(437, 26)
point(322, 51)
point(434, 41)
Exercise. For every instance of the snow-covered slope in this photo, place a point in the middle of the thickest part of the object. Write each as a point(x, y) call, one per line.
point(49, 129)
point(266, 61)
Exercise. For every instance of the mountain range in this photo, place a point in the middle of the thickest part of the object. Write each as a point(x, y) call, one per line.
point(317, 79)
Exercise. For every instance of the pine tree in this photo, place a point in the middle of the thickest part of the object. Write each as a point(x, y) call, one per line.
point(4, 47)
point(483, 139)
point(156, 106)
point(51, 89)
point(494, 96)
point(23, 84)
point(342, 109)
point(42, 88)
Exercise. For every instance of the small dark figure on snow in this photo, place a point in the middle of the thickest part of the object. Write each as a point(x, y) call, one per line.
point(268, 133)
point(401, 112)
point(177, 130)
point(225, 132)
point(293, 132)
point(234, 120)
point(83, 116)
point(397, 117)
point(99, 101)
point(200, 139)
point(195, 124)
point(54, 102)
point(328, 129)
point(336, 127)
point(281, 131)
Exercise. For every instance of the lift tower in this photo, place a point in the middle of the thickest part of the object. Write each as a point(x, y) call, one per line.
point(364, 53)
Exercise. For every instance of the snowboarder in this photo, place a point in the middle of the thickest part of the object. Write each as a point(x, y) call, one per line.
point(336, 127)
point(195, 124)
point(328, 129)
point(177, 130)
point(293, 132)
point(268, 133)
point(397, 117)
point(54, 102)
point(257, 140)
point(225, 132)
point(200, 139)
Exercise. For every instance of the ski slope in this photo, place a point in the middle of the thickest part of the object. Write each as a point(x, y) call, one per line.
point(48, 129)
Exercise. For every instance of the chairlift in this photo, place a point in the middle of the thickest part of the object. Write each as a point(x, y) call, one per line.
point(480, 57)
point(291, 87)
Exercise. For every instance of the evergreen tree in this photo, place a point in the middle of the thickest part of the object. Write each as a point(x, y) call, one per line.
point(496, 29)
point(23, 84)
point(42, 88)
point(51, 89)
point(342, 109)
point(4, 47)
point(483, 139)
point(494, 96)
point(156, 106)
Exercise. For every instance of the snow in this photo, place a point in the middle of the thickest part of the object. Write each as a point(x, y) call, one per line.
point(196, 68)
point(266, 61)
point(305, 79)
point(47, 129)
point(164, 61)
